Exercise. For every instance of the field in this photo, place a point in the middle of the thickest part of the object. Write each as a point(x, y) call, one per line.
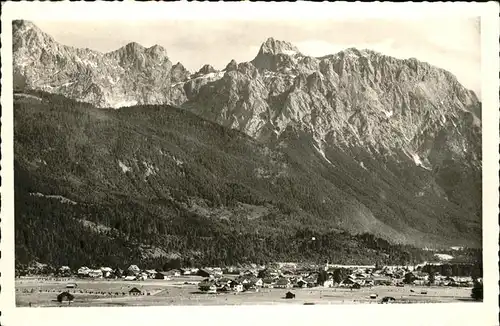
point(36, 292)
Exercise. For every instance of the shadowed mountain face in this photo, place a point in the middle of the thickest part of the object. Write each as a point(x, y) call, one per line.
point(354, 141)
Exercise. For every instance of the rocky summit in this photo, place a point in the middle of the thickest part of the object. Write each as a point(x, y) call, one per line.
point(398, 140)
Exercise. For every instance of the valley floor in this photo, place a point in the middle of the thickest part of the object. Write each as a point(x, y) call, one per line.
point(37, 292)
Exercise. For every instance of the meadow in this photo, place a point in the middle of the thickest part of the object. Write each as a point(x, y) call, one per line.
point(36, 292)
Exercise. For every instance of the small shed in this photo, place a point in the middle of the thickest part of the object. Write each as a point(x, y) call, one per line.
point(65, 296)
point(71, 285)
point(134, 291)
point(388, 300)
point(289, 295)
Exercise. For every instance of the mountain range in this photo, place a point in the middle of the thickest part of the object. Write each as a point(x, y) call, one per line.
point(355, 142)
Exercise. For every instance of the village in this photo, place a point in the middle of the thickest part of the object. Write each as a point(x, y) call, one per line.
point(65, 285)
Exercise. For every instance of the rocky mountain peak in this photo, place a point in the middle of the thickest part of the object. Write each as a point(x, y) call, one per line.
point(275, 55)
point(20, 24)
point(26, 34)
point(157, 50)
point(206, 69)
point(232, 65)
point(273, 46)
point(179, 73)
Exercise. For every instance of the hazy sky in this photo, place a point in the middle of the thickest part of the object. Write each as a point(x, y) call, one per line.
point(449, 43)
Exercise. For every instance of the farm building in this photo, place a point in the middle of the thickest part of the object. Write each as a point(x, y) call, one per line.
point(134, 269)
point(289, 295)
point(71, 285)
point(65, 296)
point(134, 291)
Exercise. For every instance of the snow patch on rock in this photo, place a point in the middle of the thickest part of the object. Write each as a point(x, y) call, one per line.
point(124, 168)
point(150, 169)
point(322, 152)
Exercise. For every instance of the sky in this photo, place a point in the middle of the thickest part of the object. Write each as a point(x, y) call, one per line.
point(451, 43)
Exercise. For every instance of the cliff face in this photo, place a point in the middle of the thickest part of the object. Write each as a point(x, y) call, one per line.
point(375, 123)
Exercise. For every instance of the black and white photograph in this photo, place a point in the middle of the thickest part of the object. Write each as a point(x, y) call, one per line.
point(246, 162)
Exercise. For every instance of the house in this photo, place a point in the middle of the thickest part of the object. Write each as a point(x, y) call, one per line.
point(162, 276)
point(134, 269)
point(249, 272)
point(289, 295)
point(224, 280)
point(65, 296)
point(328, 284)
point(185, 271)
point(381, 280)
point(71, 285)
point(95, 273)
point(236, 286)
point(250, 282)
point(205, 273)
point(142, 276)
point(311, 281)
point(301, 284)
point(134, 291)
point(217, 271)
point(257, 282)
point(130, 278)
point(347, 282)
point(83, 271)
point(64, 271)
point(107, 272)
point(283, 283)
point(368, 282)
point(174, 272)
point(151, 273)
point(268, 283)
point(118, 272)
point(212, 289)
